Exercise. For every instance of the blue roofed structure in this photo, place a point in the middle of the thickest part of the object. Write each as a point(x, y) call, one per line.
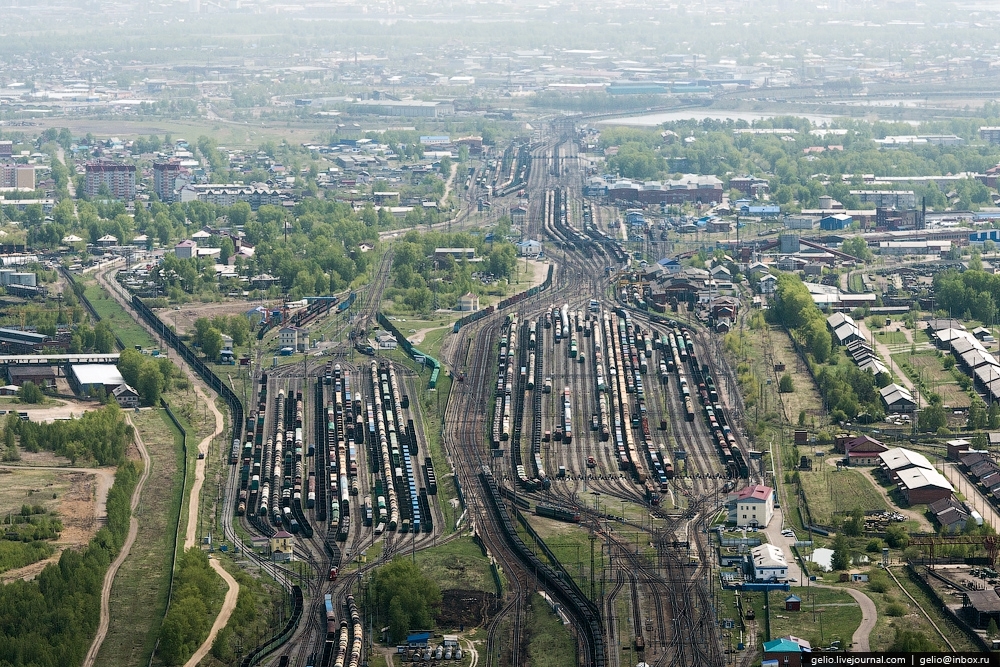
point(418, 638)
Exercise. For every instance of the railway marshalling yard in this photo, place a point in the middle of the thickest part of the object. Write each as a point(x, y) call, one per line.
point(587, 446)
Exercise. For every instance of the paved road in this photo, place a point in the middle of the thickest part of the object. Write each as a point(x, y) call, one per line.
point(109, 576)
point(869, 614)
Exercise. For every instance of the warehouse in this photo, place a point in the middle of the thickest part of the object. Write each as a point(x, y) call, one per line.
point(91, 379)
point(899, 459)
point(920, 485)
point(897, 398)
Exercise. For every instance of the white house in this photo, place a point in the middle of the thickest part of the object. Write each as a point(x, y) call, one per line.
point(768, 283)
point(294, 337)
point(529, 248)
point(385, 340)
point(468, 302)
point(768, 563)
point(752, 506)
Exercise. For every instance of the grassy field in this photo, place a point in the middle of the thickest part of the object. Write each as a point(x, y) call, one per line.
point(130, 332)
point(930, 368)
point(830, 491)
point(911, 618)
point(139, 595)
point(571, 545)
point(891, 337)
point(550, 643)
point(457, 564)
point(836, 616)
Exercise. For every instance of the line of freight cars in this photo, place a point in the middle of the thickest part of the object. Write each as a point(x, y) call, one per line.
point(626, 363)
point(344, 430)
point(683, 352)
point(566, 590)
point(397, 446)
point(344, 640)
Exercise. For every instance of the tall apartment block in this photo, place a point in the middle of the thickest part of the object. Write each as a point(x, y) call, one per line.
point(119, 178)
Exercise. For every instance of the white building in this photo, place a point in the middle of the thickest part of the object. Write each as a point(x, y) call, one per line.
point(752, 507)
point(468, 302)
point(768, 563)
point(294, 337)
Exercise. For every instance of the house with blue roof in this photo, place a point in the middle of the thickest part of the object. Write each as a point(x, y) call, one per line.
point(670, 265)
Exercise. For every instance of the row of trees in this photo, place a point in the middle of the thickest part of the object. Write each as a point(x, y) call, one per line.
point(972, 294)
point(51, 621)
point(188, 619)
point(149, 376)
point(98, 435)
point(796, 179)
point(847, 390)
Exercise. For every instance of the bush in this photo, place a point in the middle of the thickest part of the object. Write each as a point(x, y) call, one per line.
point(785, 384)
point(896, 609)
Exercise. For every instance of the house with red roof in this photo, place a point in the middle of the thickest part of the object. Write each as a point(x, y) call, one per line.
point(752, 506)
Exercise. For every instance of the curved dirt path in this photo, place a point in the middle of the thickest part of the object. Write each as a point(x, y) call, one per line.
point(229, 603)
point(109, 576)
point(190, 536)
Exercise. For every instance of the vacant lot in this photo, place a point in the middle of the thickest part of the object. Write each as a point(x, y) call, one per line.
point(831, 492)
point(130, 332)
point(550, 643)
point(457, 564)
point(826, 615)
point(70, 493)
point(929, 367)
point(139, 594)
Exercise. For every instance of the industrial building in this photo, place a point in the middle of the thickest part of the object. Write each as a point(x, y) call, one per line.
point(690, 188)
point(752, 506)
point(89, 379)
point(406, 108)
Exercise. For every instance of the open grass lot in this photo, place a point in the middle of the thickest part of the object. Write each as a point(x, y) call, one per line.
point(31, 487)
point(570, 543)
point(139, 595)
point(550, 643)
point(130, 332)
point(836, 615)
point(911, 618)
point(457, 564)
point(930, 367)
point(831, 492)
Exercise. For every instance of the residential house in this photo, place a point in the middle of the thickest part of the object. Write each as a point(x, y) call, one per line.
point(125, 396)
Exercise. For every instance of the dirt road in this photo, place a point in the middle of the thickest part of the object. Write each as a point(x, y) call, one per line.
point(229, 604)
point(109, 576)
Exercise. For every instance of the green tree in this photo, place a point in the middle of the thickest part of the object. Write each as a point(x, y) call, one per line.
point(841, 553)
point(405, 597)
point(978, 416)
point(785, 384)
point(104, 338)
point(932, 418)
point(30, 393)
point(910, 641)
point(239, 214)
point(857, 247)
point(150, 383)
point(211, 344)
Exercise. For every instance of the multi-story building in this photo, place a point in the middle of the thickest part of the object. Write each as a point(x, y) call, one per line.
point(693, 188)
point(901, 199)
point(13, 175)
point(751, 186)
point(165, 179)
point(990, 134)
point(6, 148)
point(119, 179)
point(227, 195)
point(752, 506)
